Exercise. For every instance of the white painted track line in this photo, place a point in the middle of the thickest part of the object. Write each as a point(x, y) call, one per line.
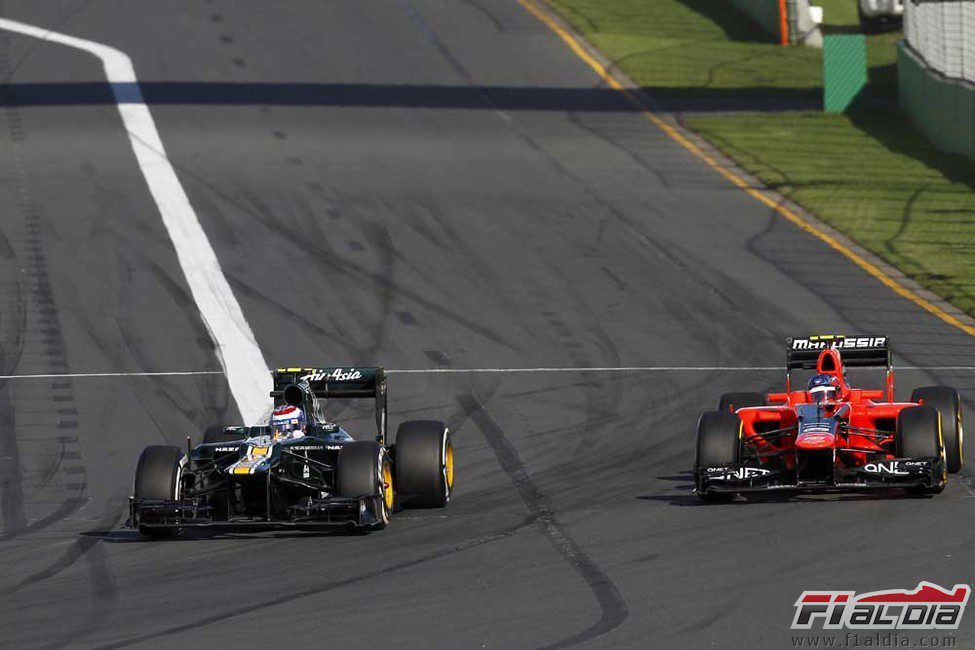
point(237, 349)
point(453, 371)
point(450, 371)
point(113, 375)
point(456, 371)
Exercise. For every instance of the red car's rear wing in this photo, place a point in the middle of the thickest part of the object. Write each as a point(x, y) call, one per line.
point(861, 351)
point(855, 351)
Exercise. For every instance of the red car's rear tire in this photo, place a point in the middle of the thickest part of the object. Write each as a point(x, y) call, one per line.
point(948, 403)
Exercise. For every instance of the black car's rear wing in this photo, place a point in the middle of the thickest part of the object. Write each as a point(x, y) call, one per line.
point(334, 382)
point(855, 351)
point(340, 383)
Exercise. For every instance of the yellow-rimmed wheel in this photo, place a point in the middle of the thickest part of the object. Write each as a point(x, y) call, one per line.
point(387, 486)
point(948, 404)
point(448, 465)
point(424, 464)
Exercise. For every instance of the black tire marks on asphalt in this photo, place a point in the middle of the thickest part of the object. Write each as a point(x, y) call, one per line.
point(31, 309)
point(478, 7)
point(611, 602)
point(406, 318)
point(321, 256)
point(670, 253)
point(221, 617)
point(102, 582)
point(45, 348)
point(437, 357)
point(13, 327)
point(104, 592)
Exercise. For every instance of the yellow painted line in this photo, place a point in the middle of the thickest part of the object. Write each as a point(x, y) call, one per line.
point(570, 39)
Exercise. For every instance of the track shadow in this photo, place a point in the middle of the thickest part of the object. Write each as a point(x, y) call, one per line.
point(196, 534)
point(278, 534)
point(882, 82)
point(891, 494)
point(683, 476)
point(689, 499)
point(114, 536)
point(895, 131)
point(757, 99)
point(684, 499)
point(176, 93)
point(736, 25)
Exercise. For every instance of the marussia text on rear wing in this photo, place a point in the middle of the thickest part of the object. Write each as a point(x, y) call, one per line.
point(855, 351)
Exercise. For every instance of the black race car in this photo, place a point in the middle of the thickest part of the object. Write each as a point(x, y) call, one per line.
point(250, 476)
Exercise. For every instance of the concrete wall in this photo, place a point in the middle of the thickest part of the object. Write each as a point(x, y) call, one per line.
point(942, 108)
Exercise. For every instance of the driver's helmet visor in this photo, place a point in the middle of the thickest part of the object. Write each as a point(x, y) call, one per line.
point(286, 428)
point(823, 394)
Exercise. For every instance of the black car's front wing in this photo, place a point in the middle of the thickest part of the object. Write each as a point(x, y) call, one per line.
point(358, 512)
point(909, 473)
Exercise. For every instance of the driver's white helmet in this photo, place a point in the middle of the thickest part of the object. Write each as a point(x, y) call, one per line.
point(288, 422)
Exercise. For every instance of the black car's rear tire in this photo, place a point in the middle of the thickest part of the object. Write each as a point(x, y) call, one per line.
point(918, 435)
point(363, 469)
point(731, 402)
point(157, 476)
point(946, 400)
point(718, 443)
point(424, 463)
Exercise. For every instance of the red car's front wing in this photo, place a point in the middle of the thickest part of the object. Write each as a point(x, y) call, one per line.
point(930, 473)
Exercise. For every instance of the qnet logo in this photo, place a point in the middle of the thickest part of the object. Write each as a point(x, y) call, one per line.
point(928, 607)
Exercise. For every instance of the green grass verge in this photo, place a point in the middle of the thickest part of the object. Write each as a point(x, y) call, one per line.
point(872, 178)
point(705, 45)
point(870, 174)
point(697, 44)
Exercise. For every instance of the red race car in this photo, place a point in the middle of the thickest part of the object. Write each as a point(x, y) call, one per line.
point(830, 436)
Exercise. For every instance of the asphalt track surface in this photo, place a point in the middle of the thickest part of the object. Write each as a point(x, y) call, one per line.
point(417, 184)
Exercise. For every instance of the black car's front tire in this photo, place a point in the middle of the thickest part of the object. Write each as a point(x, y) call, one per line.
point(364, 469)
point(718, 443)
point(157, 477)
point(424, 463)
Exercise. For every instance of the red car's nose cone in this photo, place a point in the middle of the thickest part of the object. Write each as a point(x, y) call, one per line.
point(815, 441)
